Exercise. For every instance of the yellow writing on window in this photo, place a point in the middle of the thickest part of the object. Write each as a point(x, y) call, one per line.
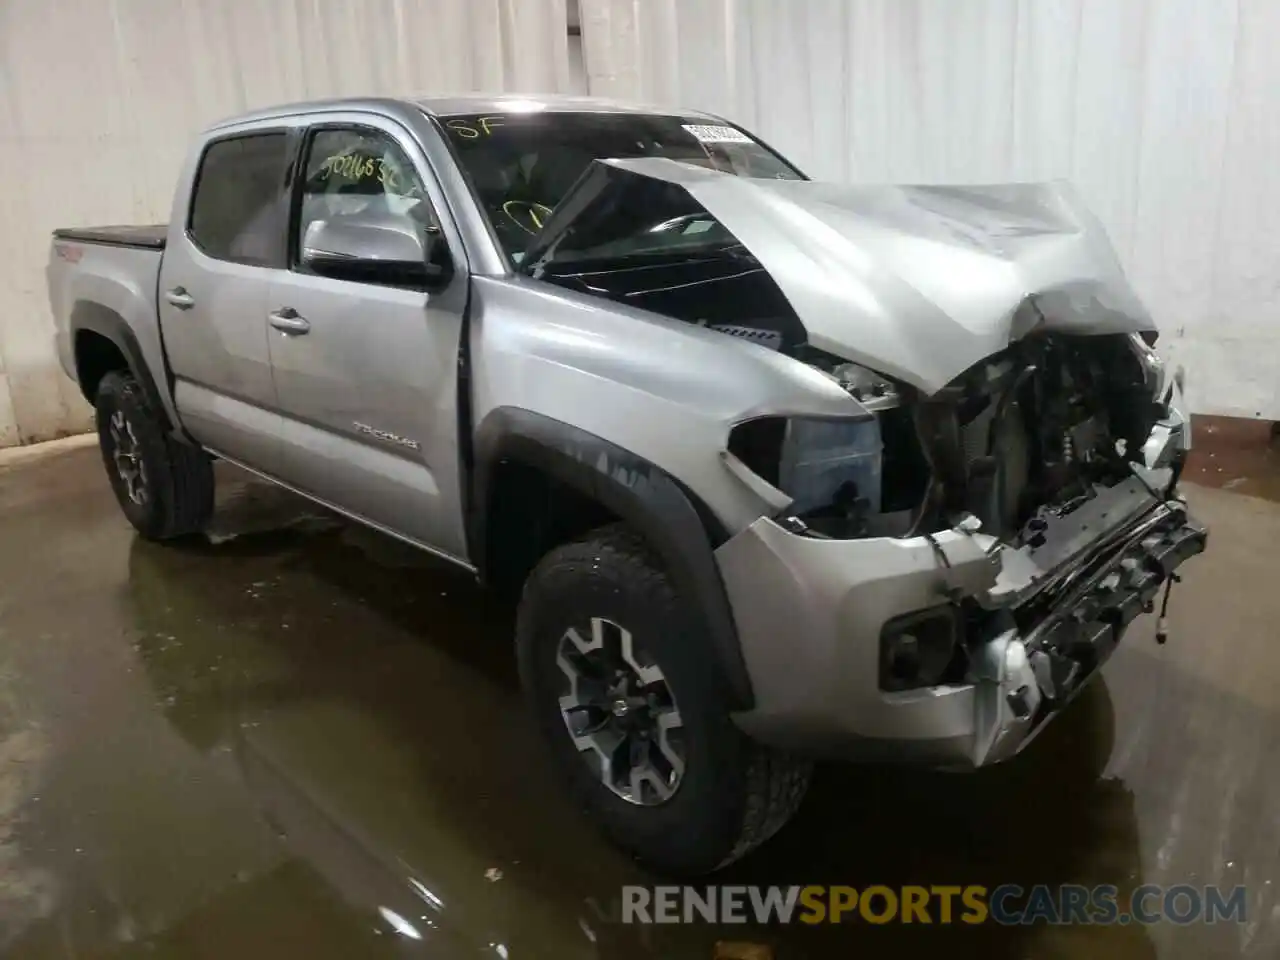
point(358, 169)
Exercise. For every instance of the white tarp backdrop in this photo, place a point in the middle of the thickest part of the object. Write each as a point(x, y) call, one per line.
point(1165, 113)
point(99, 100)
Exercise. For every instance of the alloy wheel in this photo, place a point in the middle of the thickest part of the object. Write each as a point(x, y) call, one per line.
point(621, 713)
point(128, 460)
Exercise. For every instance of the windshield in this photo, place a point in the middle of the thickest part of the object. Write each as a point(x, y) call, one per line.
point(522, 165)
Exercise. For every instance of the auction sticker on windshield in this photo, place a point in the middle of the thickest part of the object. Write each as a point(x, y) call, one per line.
point(715, 133)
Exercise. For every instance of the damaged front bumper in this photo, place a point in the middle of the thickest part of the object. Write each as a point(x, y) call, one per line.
point(810, 614)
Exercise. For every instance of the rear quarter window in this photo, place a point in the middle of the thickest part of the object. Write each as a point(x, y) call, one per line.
point(237, 209)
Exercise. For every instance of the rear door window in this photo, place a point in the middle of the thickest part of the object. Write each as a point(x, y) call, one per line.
point(237, 210)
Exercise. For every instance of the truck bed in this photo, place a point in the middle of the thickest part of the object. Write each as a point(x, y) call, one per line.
point(114, 270)
point(148, 236)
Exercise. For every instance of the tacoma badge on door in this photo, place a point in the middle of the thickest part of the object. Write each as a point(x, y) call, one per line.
point(386, 435)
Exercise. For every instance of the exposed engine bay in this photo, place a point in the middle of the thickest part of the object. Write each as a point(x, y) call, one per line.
point(1032, 433)
point(1029, 433)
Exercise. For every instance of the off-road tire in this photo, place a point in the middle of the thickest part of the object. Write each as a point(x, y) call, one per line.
point(179, 477)
point(734, 793)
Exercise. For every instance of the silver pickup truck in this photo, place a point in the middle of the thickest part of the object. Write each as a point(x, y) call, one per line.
point(779, 469)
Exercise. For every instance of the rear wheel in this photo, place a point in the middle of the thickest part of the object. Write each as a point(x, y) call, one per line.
point(164, 486)
point(632, 706)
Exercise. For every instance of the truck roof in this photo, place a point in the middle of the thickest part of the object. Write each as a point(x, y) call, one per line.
point(468, 103)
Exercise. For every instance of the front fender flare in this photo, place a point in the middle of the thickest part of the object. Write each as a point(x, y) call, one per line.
point(634, 489)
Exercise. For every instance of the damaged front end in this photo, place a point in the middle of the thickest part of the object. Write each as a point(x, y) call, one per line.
point(1026, 515)
point(943, 569)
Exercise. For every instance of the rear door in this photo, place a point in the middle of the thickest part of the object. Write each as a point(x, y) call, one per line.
point(367, 373)
point(221, 255)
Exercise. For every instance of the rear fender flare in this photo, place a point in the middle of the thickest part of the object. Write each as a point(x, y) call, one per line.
point(107, 323)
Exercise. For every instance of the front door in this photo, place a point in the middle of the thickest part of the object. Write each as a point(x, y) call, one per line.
point(219, 262)
point(366, 372)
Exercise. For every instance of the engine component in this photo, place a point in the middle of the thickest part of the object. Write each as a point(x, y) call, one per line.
point(873, 391)
point(1036, 429)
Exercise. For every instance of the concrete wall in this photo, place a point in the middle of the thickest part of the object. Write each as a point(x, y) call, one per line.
point(1165, 113)
point(99, 99)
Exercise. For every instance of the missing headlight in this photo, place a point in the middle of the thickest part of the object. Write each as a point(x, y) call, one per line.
point(824, 465)
point(1155, 373)
point(758, 444)
point(828, 462)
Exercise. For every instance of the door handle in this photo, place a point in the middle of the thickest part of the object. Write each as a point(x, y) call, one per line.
point(286, 320)
point(179, 297)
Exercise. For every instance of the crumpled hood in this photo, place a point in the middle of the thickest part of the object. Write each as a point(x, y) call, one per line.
point(921, 282)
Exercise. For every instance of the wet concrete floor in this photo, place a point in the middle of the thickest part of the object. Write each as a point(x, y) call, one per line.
point(305, 740)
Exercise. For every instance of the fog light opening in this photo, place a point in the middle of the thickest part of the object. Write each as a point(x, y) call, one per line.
point(918, 650)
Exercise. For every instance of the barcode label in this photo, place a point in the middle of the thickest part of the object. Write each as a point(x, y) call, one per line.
point(714, 133)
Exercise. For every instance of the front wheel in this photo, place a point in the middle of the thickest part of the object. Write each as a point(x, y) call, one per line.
point(164, 486)
point(630, 701)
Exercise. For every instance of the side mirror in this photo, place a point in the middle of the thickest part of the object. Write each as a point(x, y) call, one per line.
point(378, 247)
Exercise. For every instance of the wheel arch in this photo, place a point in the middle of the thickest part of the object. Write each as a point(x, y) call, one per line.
point(602, 476)
point(96, 331)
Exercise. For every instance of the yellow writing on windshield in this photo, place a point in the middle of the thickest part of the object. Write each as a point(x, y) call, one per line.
point(522, 213)
point(473, 129)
